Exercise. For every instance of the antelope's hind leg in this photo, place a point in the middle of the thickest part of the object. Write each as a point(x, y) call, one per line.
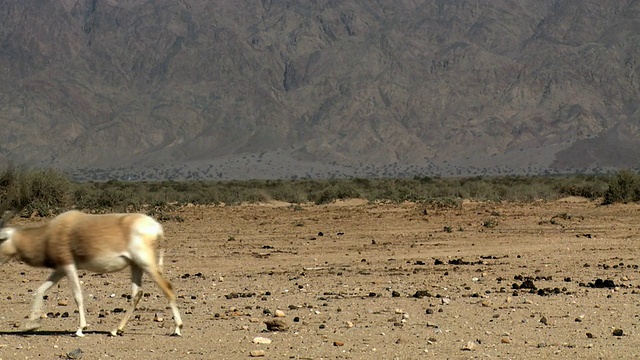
point(166, 288)
point(36, 308)
point(136, 294)
point(143, 255)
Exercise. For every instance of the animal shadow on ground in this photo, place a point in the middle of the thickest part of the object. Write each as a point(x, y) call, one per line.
point(22, 333)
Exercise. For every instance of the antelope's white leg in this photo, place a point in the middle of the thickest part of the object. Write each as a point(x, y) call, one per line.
point(36, 308)
point(136, 294)
point(72, 274)
point(165, 286)
point(144, 257)
point(176, 317)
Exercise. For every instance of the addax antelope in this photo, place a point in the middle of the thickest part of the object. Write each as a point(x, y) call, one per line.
point(99, 243)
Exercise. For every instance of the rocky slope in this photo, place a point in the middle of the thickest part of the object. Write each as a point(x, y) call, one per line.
point(250, 89)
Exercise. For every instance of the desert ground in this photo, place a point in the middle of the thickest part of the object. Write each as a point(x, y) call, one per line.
point(358, 280)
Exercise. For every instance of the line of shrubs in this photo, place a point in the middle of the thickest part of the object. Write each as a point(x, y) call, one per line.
point(49, 192)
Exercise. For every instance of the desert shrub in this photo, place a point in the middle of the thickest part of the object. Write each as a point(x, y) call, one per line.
point(335, 191)
point(591, 186)
point(45, 192)
point(290, 193)
point(624, 187)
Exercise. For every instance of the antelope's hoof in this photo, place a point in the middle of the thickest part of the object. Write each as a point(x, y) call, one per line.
point(79, 333)
point(176, 332)
point(116, 332)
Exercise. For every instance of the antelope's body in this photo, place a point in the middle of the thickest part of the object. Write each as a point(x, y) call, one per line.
point(99, 243)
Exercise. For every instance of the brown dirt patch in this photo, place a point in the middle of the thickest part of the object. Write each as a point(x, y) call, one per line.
point(349, 293)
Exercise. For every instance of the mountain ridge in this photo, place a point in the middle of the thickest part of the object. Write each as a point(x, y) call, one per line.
point(192, 89)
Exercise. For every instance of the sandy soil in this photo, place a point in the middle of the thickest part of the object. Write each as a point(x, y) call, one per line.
point(382, 281)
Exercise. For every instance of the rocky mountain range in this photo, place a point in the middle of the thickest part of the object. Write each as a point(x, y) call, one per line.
point(239, 89)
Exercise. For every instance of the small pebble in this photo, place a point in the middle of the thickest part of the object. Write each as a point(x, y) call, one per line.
point(257, 353)
point(74, 354)
point(261, 340)
point(470, 346)
point(276, 325)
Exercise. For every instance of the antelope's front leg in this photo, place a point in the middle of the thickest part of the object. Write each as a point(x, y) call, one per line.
point(72, 274)
point(36, 309)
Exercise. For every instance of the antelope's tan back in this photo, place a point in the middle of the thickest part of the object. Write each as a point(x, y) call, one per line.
point(76, 236)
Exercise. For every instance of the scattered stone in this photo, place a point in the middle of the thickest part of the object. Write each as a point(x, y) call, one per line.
point(75, 354)
point(157, 318)
point(279, 313)
point(527, 284)
point(261, 340)
point(618, 332)
point(486, 303)
point(590, 335)
point(276, 325)
point(470, 346)
point(463, 262)
point(235, 295)
point(395, 294)
point(600, 284)
point(63, 303)
point(338, 343)
point(421, 294)
point(349, 324)
point(505, 340)
point(429, 311)
point(257, 353)
point(544, 320)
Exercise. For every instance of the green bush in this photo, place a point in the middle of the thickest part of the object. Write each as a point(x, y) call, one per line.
point(624, 187)
point(48, 192)
point(45, 192)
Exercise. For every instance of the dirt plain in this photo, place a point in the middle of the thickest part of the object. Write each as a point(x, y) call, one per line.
point(362, 281)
